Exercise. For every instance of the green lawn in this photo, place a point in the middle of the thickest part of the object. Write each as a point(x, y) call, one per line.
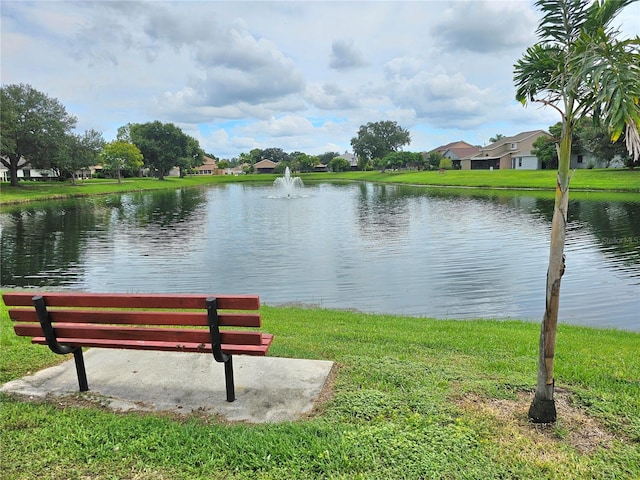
point(597, 179)
point(31, 191)
point(610, 180)
point(413, 398)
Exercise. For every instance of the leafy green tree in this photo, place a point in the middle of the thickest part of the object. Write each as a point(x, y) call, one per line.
point(496, 137)
point(163, 145)
point(397, 160)
point(282, 166)
point(193, 156)
point(578, 68)
point(416, 160)
point(446, 163)
point(124, 133)
point(545, 148)
point(339, 164)
point(294, 155)
point(434, 159)
point(119, 156)
point(597, 140)
point(274, 154)
point(375, 140)
point(34, 128)
point(254, 156)
point(381, 163)
point(326, 157)
point(364, 163)
point(79, 152)
point(306, 162)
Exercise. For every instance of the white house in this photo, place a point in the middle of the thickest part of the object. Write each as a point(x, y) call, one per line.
point(26, 172)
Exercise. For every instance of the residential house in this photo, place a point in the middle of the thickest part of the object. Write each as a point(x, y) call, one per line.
point(26, 172)
point(265, 166)
point(585, 159)
point(455, 151)
point(209, 167)
point(352, 159)
point(238, 170)
point(89, 172)
point(508, 152)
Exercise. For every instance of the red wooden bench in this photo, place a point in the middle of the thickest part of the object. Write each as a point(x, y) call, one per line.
point(66, 322)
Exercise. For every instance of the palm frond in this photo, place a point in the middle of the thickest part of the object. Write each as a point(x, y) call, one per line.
point(601, 13)
point(538, 73)
point(610, 71)
point(561, 20)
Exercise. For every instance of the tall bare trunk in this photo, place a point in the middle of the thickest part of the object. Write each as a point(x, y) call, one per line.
point(543, 408)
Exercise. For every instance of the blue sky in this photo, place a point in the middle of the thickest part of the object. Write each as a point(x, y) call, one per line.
point(301, 76)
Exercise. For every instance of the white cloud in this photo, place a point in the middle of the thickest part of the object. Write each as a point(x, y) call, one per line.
point(331, 96)
point(438, 98)
point(345, 55)
point(287, 126)
point(486, 26)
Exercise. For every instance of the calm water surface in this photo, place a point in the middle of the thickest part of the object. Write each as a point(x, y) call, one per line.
point(375, 248)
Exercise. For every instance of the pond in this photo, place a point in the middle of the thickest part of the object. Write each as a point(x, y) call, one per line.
point(375, 248)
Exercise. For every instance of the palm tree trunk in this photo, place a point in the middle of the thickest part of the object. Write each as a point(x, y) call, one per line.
point(543, 408)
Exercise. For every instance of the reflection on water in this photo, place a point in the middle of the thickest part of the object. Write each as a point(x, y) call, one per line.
point(377, 248)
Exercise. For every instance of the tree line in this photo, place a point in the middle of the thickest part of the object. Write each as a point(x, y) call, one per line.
point(37, 132)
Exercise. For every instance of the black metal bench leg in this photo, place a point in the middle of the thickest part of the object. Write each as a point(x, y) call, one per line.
point(228, 375)
point(52, 341)
point(82, 373)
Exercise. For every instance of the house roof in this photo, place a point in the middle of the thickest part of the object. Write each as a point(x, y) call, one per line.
point(349, 157)
point(489, 151)
point(514, 139)
point(266, 164)
point(460, 148)
point(209, 162)
point(448, 146)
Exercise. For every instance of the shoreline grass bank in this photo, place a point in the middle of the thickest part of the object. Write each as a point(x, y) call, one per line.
point(412, 398)
point(597, 180)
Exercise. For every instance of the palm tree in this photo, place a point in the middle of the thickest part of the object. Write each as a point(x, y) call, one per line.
point(579, 68)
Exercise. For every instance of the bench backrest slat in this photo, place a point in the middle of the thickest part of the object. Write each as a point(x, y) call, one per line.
point(140, 301)
point(136, 309)
point(121, 317)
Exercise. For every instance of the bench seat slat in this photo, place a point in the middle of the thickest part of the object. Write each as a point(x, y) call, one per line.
point(125, 300)
point(121, 317)
point(118, 333)
point(255, 350)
